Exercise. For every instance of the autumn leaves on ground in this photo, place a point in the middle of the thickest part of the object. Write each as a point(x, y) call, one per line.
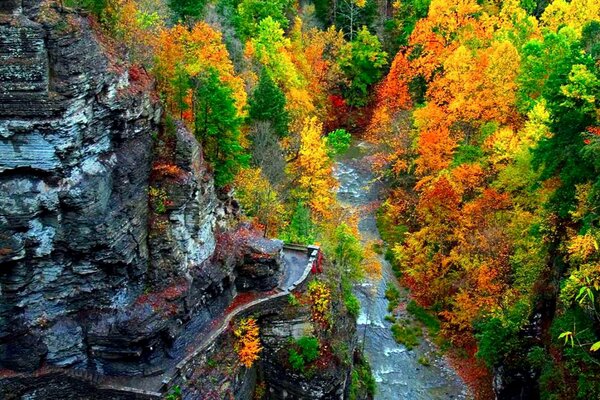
point(487, 117)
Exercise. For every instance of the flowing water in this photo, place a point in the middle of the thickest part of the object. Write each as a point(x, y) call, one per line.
point(397, 371)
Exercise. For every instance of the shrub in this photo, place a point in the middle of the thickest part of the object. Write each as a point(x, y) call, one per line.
point(406, 334)
point(392, 294)
point(363, 383)
point(431, 322)
point(296, 360)
point(303, 351)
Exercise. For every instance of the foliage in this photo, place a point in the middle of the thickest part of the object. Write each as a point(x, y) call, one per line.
point(301, 229)
point(267, 103)
point(304, 351)
point(251, 12)
point(350, 300)
point(259, 200)
point(247, 345)
point(337, 142)
point(362, 384)
point(184, 9)
point(431, 322)
point(346, 251)
point(174, 393)
point(392, 294)
point(319, 296)
point(217, 127)
point(159, 199)
point(362, 60)
point(406, 334)
point(313, 168)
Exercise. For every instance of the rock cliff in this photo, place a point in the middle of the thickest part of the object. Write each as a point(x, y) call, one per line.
point(75, 139)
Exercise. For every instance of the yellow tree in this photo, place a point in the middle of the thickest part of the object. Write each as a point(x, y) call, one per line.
point(259, 200)
point(313, 169)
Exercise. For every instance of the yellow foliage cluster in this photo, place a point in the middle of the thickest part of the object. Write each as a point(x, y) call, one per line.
point(313, 168)
point(248, 342)
point(320, 302)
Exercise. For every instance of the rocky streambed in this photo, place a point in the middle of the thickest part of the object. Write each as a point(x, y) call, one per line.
point(397, 370)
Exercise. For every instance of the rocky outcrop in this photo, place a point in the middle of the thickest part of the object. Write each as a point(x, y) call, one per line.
point(116, 253)
point(261, 268)
point(329, 379)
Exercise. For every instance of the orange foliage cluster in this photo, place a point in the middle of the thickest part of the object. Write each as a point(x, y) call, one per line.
point(457, 254)
point(248, 342)
point(168, 171)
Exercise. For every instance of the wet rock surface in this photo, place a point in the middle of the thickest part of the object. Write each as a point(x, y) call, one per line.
point(329, 381)
point(101, 289)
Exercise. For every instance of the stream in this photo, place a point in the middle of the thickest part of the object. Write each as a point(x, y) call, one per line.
point(397, 371)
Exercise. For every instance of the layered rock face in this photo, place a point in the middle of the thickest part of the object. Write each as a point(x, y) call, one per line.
point(262, 267)
point(75, 140)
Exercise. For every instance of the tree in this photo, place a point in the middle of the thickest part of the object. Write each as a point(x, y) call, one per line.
point(313, 170)
point(350, 15)
point(270, 47)
point(267, 103)
point(301, 229)
point(337, 142)
point(181, 51)
point(217, 126)
point(185, 9)
point(248, 341)
point(362, 60)
point(267, 153)
point(259, 200)
point(252, 12)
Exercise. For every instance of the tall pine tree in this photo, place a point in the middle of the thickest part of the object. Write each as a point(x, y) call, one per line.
point(217, 126)
point(267, 104)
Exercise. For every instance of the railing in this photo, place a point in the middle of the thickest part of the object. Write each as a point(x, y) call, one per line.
point(312, 251)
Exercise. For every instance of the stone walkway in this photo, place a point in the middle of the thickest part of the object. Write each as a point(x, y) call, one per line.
point(298, 262)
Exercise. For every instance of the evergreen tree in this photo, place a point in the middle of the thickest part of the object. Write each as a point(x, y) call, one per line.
point(217, 126)
point(268, 104)
point(187, 8)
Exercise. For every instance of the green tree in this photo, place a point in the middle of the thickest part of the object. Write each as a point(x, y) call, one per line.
point(559, 70)
point(362, 60)
point(184, 9)
point(337, 142)
point(268, 104)
point(217, 126)
point(251, 12)
point(347, 252)
point(300, 230)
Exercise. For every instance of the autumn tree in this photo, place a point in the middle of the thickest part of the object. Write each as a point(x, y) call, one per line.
point(312, 169)
point(247, 343)
point(259, 200)
point(251, 12)
point(270, 48)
